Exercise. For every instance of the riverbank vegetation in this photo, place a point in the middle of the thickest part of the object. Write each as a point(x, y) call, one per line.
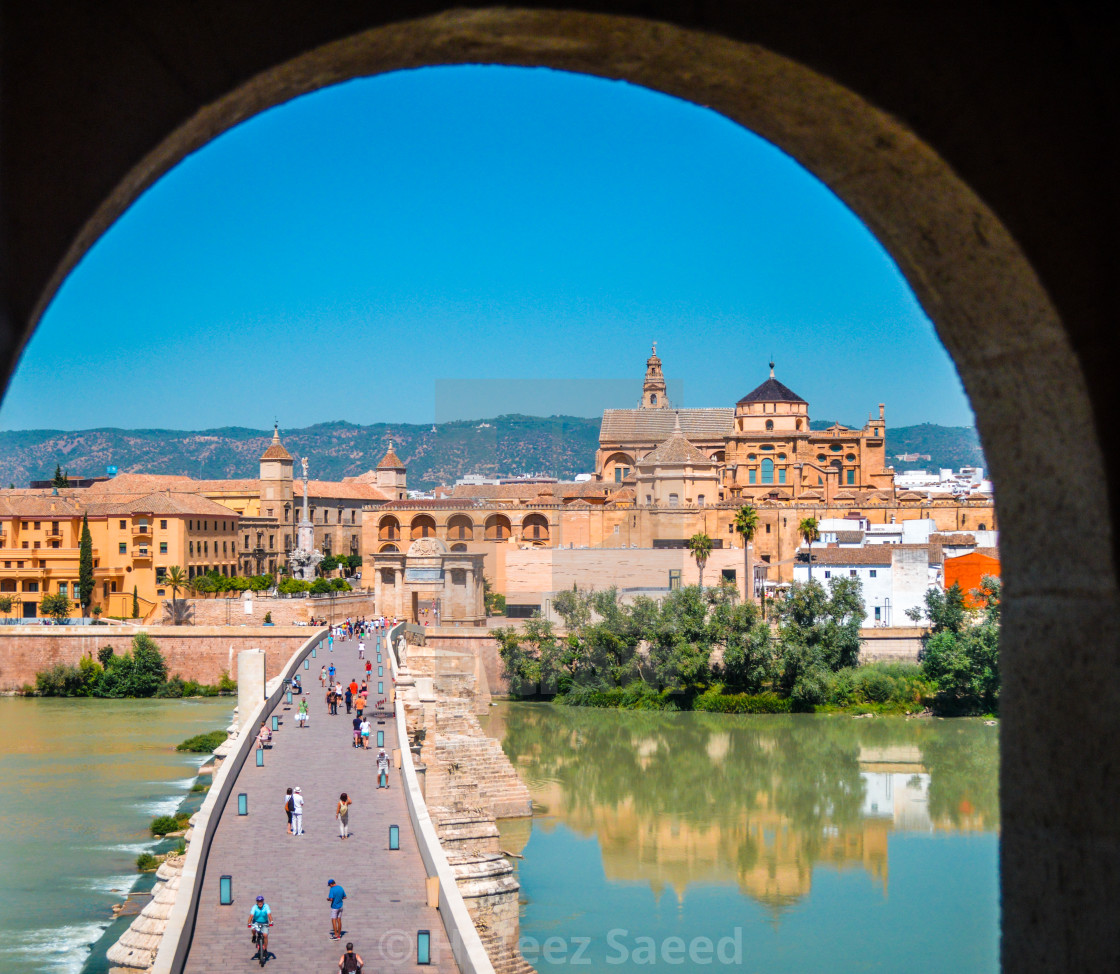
point(140, 672)
point(163, 824)
point(204, 743)
point(704, 649)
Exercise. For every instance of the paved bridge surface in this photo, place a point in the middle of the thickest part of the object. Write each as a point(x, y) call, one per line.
point(386, 902)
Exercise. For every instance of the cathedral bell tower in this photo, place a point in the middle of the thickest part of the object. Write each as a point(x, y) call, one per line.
point(653, 389)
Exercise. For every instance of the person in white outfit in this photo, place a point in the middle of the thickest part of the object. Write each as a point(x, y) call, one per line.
point(297, 811)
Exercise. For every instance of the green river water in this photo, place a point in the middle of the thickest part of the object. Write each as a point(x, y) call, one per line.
point(768, 844)
point(81, 781)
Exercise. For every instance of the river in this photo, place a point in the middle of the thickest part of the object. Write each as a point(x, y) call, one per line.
point(81, 781)
point(769, 843)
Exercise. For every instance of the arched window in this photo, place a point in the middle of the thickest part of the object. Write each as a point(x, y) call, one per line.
point(497, 527)
point(460, 527)
point(767, 470)
point(982, 527)
point(653, 399)
point(769, 424)
point(389, 529)
point(534, 528)
point(423, 526)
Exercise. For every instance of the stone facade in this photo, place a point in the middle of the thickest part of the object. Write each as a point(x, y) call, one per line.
point(429, 583)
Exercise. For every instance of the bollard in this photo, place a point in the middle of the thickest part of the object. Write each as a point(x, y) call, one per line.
point(307, 664)
point(275, 722)
point(288, 697)
point(225, 890)
point(313, 649)
point(242, 804)
point(260, 757)
point(380, 687)
point(380, 670)
point(381, 738)
point(394, 837)
point(423, 947)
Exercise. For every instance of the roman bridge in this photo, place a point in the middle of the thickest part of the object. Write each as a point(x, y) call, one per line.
point(416, 875)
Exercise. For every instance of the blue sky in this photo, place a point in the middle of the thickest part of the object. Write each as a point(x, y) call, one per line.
point(460, 242)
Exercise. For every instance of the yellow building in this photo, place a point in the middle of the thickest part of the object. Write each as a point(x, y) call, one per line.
point(135, 540)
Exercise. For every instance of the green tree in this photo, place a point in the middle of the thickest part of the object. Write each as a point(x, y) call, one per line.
point(746, 523)
point(85, 567)
point(60, 479)
point(808, 531)
point(701, 547)
point(6, 603)
point(961, 659)
point(56, 605)
point(135, 602)
point(748, 654)
point(818, 633)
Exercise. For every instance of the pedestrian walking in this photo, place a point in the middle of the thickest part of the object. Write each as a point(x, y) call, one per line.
point(369, 669)
point(330, 644)
point(302, 716)
point(382, 769)
point(335, 894)
point(330, 673)
point(366, 727)
point(342, 813)
point(349, 698)
point(361, 649)
point(323, 677)
point(289, 808)
point(357, 742)
point(297, 811)
point(350, 962)
point(359, 705)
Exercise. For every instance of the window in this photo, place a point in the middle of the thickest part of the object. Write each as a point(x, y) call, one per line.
point(223, 547)
point(981, 527)
point(122, 548)
point(143, 526)
point(161, 574)
point(271, 541)
point(163, 547)
point(769, 425)
point(728, 574)
point(674, 500)
point(653, 398)
point(163, 525)
point(25, 544)
point(700, 499)
point(63, 588)
point(851, 475)
point(767, 528)
point(246, 542)
point(38, 544)
point(23, 525)
point(873, 573)
point(851, 573)
point(767, 470)
point(878, 613)
point(828, 574)
point(160, 591)
point(37, 525)
point(674, 579)
point(206, 547)
point(31, 586)
point(851, 458)
point(836, 448)
point(781, 475)
point(752, 476)
point(192, 549)
point(124, 525)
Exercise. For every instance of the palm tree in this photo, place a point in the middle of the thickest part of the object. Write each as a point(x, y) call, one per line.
point(701, 547)
point(808, 530)
point(177, 579)
point(746, 523)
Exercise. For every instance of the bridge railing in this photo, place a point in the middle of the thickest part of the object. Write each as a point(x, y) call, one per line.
point(177, 937)
point(466, 945)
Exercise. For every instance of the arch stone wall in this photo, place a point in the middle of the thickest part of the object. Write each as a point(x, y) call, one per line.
point(972, 144)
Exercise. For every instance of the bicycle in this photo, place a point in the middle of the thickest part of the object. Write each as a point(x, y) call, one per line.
point(260, 939)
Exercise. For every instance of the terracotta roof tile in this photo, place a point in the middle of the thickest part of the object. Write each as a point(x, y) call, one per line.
point(655, 425)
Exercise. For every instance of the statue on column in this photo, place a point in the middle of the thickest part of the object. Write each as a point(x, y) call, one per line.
point(305, 558)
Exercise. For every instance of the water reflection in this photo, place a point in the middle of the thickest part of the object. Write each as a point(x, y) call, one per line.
point(679, 799)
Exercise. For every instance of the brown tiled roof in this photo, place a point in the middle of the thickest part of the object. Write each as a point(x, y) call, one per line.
point(140, 483)
point(339, 490)
point(390, 461)
point(654, 425)
point(430, 504)
point(953, 539)
point(874, 554)
point(621, 496)
point(41, 504)
point(170, 503)
point(849, 537)
point(275, 451)
point(676, 450)
point(987, 552)
point(546, 493)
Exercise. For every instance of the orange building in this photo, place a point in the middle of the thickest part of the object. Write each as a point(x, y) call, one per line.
point(968, 570)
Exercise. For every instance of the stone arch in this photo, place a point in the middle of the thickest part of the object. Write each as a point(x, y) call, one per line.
point(422, 526)
point(1015, 354)
point(534, 528)
point(619, 460)
point(388, 528)
point(388, 547)
point(458, 546)
point(460, 528)
point(498, 528)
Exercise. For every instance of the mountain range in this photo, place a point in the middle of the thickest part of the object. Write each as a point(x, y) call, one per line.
point(558, 446)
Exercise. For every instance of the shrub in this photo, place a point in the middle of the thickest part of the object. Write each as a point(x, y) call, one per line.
point(268, 618)
point(162, 824)
point(716, 701)
point(226, 684)
point(810, 689)
point(146, 862)
point(638, 696)
point(876, 686)
point(203, 743)
point(199, 788)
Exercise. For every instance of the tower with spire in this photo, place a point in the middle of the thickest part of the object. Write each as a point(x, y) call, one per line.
point(392, 474)
point(653, 389)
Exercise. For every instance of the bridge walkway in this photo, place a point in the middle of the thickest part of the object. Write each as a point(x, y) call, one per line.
point(386, 900)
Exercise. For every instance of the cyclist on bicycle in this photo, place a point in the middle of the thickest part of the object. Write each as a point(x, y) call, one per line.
point(260, 919)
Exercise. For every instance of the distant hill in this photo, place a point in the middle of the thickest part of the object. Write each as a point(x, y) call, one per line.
point(558, 446)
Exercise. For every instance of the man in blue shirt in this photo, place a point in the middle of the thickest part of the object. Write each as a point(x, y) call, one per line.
point(336, 894)
point(260, 919)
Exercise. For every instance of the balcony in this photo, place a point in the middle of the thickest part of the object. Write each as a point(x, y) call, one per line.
point(141, 531)
point(141, 554)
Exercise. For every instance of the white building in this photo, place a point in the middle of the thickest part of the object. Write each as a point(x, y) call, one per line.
point(894, 577)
